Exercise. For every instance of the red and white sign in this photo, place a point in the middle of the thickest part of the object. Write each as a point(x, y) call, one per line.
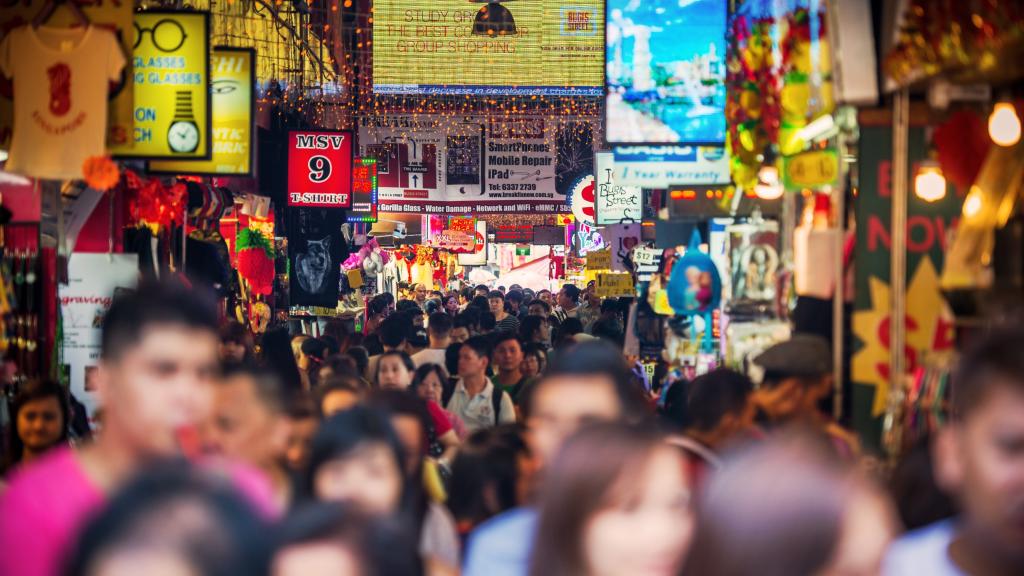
point(320, 169)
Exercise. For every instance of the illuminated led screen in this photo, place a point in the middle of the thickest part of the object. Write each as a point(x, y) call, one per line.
point(665, 63)
point(488, 47)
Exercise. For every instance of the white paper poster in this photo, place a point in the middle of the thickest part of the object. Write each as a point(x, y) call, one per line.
point(520, 166)
point(614, 202)
point(663, 166)
point(92, 280)
point(622, 239)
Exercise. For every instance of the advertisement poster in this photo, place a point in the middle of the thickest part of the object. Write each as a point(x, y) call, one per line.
point(521, 166)
point(479, 255)
point(410, 161)
point(171, 67)
point(92, 281)
point(614, 202)
point(457, 235)
point(320, 168)
point(434, 47)
point(665, 79)
point(364, 191)
point(316, 250)
point(116, 16)
point(480, 165)
point(659, 167)
point(232, 79)
point(929, 320)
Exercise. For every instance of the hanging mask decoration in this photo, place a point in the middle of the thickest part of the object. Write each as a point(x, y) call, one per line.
point(695, 287)
point(259, 317)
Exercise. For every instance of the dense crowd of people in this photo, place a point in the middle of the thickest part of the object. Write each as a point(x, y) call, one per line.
point(488, 432)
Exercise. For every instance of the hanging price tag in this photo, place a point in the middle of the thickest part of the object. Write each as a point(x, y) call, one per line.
point(599, 260)
point(613, 284)
point(811, 169)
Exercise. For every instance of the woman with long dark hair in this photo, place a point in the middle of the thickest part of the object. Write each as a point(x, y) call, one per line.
point(39, 421)
point(615, 501)
point(358, 459)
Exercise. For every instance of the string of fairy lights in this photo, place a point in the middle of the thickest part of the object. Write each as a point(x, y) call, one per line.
point(315, 60)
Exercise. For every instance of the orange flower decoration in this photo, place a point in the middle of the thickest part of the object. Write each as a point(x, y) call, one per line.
point(101, 173)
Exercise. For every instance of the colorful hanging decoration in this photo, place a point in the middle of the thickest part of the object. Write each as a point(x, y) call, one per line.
point(370, 259)
point(752, 107)
point(806, 76)
point(961, 145)
point(779, 79)
point(101, 173)
point(158, 206)
point(968, 38)
point(255, 261)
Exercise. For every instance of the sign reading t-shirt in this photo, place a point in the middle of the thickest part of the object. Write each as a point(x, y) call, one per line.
point(320, 168)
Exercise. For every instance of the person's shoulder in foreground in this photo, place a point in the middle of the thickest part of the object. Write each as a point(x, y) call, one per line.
point(923, 551)
point(40, 511)
point(501, 546)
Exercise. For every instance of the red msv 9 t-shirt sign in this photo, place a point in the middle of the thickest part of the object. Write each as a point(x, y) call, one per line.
point(320, 169)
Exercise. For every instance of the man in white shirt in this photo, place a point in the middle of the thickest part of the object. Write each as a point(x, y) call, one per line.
point(475, 399)
point(979, 459)
point(439, 330)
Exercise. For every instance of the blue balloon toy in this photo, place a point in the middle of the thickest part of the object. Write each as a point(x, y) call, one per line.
point(695, 287)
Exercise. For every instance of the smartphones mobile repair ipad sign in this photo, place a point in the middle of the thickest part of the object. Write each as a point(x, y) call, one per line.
point(320, 169)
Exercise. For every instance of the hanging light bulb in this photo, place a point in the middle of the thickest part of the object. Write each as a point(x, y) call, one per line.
point(1004, 124)
point(930, 183)
point(768, 186)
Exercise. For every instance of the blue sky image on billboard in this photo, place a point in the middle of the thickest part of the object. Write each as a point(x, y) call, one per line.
point(665, 71)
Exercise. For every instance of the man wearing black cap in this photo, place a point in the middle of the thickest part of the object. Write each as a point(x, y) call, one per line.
point(797, 377)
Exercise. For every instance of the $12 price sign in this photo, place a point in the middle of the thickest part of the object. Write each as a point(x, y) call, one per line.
point(320, 169)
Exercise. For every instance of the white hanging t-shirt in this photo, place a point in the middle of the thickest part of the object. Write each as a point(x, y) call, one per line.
point(61, 78)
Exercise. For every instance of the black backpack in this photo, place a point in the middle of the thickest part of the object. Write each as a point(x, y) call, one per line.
point(449, 391)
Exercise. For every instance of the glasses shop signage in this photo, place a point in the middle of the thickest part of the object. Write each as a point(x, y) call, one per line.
point(171, 79)
point(232, 80)
point(320, 168)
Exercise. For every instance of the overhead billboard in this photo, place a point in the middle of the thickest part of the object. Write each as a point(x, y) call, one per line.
point(232, 79)
point(480, 165)
point(488, 47)
point(665, 71)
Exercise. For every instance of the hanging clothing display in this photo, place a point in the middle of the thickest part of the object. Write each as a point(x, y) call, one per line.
point(388, 279)
point(316, 250)
point(61, 78)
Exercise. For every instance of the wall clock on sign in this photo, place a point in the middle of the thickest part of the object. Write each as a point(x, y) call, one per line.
point(183, 134)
